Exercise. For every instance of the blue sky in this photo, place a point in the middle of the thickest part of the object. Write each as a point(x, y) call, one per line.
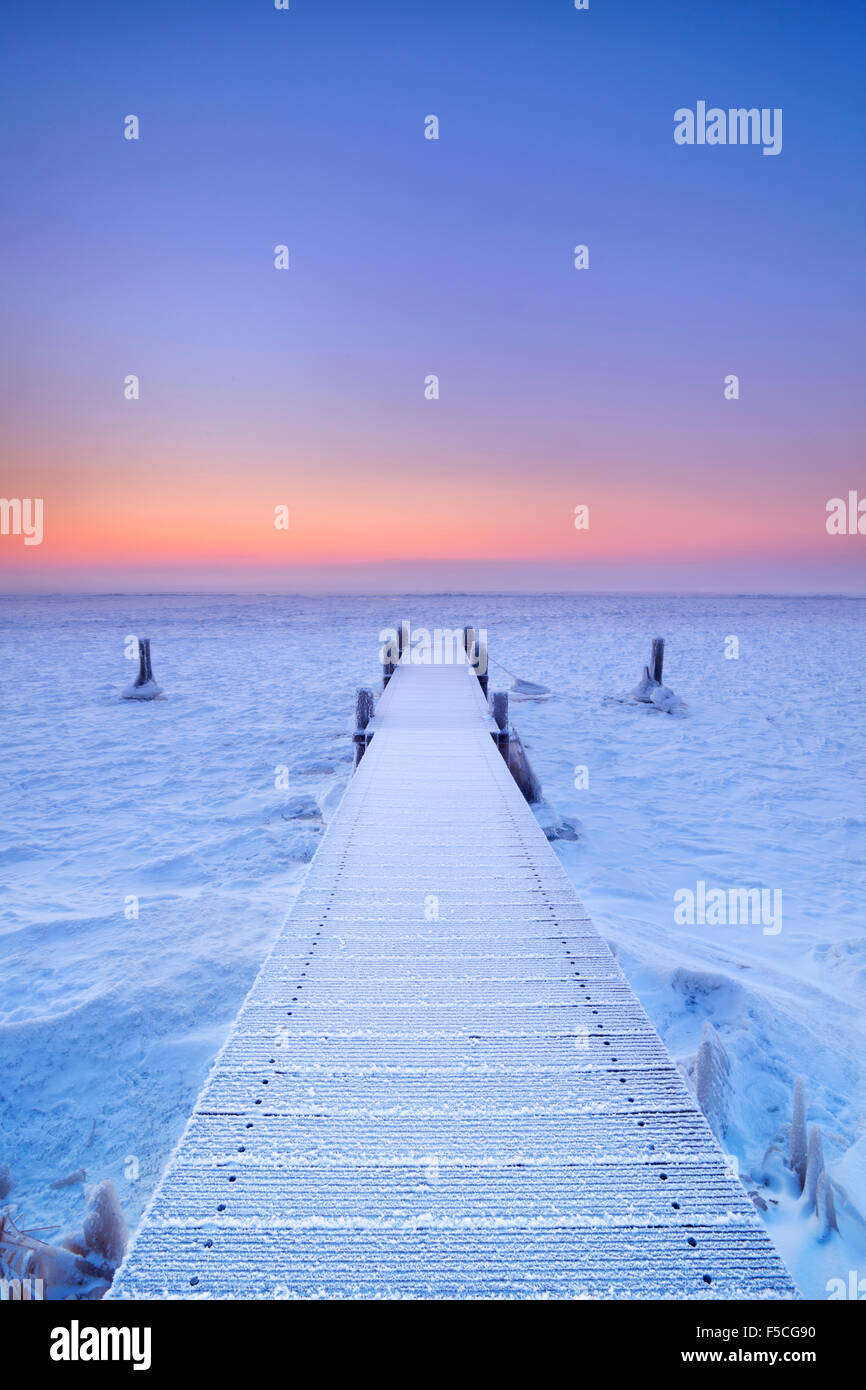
point(409, 257)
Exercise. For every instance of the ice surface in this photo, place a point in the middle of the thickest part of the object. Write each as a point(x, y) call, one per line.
point(108, 1022)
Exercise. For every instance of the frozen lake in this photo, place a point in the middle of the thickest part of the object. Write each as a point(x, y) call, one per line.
point(178, 811)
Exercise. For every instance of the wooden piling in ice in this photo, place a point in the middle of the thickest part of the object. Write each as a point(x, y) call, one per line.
point(510, 745)
point(144, 687)
point(364, 706)
point(657, 659)
point(499, 711)
point(652, 674)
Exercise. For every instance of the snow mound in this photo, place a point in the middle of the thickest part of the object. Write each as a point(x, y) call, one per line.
point(643, 691)
point(713, 1080)
point(104, 1227)
point(555, 826)
point(300, 808)
point(148, 691)
point(664, 699)
point(313, 767)
point(528, 688)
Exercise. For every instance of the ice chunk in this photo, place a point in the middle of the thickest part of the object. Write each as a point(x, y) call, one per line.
point(521, 687)
point(814, 1167)
point(300, 808)
point(555, 826)
point(798, 1132)
point(104, 1223)
point(646, 685)
point(664, 699)
point(71, 1179)
point(313, 767)
point(149, 690)
point(712, 1080)
point(826, 1205)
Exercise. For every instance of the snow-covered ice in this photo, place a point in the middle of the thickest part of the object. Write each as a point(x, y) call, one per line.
point(150, 852)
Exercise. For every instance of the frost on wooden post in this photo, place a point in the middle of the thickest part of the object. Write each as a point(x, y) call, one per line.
point(712, 1080)
point(144, 687)
point(664, 699)
point(643, 691)
point(826, 1205)
point(798, 1132)
point(814, 1167)
point(104, 1224)
point(650, 689)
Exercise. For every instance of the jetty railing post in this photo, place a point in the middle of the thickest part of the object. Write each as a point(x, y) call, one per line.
point(364, 706)
point(657, 660)
point(388, 663)
point(499, 711)
point(476, 650)
point(481, 662)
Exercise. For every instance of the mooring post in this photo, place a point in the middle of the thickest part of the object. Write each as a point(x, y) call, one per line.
point(657, 660)
point(469, 640)
point(144, 687)
point(521, 769)
point(388, 665)
point(364, 706)
point(652, 674)
point(481, 662)
point(403, 639)
point(499, 711)
point(145, 670)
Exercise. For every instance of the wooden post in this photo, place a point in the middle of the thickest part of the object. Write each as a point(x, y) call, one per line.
point(364, 706)
point(145, 670)
point(144, 687)
point(652, 674)
point(403, 638)
point(499, 710)
point(481, 663)
point(521, 769)
point(469, 640)
point(657, 660)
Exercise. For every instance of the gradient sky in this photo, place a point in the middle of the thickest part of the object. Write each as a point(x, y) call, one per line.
point(410, 257)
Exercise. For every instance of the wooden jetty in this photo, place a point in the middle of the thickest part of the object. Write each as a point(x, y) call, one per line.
point(441, 1084)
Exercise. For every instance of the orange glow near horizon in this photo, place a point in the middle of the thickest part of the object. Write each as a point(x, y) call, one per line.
point(154, 519)
point(342, 513)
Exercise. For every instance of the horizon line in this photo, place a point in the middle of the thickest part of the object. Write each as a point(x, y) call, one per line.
point(428, 593)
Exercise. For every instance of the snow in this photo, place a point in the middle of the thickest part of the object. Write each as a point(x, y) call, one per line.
point(148, 690)
point(664, 699)
point(109, 1021)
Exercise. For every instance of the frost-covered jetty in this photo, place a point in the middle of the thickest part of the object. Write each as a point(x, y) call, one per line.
point(441, 1083)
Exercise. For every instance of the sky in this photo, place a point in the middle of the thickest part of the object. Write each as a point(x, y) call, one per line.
point(304, 388)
